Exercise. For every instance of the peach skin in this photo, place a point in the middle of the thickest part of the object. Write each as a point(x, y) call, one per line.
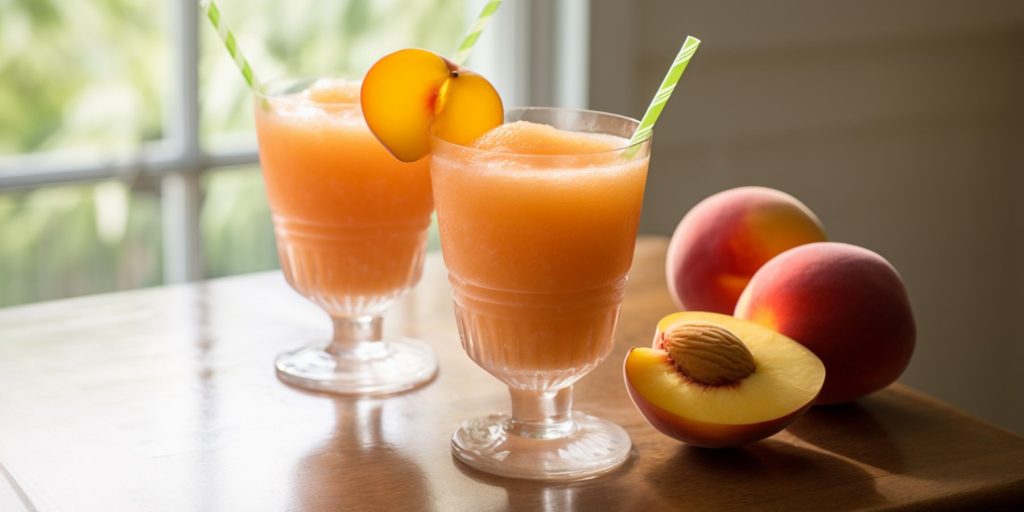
point(843, 302)
point(725, 238)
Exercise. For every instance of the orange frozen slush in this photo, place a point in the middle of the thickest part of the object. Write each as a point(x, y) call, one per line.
point(350, 219)
point(538, 245)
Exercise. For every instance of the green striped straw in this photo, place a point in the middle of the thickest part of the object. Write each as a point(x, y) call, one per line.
point(213, 13)
point(474, 33)
point(675, 72)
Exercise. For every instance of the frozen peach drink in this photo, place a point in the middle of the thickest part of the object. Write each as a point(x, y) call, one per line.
point(350, 219)
point(538, 221)
point(351, 223)
point(538, 211)
point(537, 227)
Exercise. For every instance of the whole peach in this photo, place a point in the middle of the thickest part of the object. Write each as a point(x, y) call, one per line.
point(846, 304)
point(723, 240)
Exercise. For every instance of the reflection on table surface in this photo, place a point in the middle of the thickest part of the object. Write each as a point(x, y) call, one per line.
point(166, 399)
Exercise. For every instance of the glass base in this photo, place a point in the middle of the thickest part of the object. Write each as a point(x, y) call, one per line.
point(591, 447)
point(377, 368)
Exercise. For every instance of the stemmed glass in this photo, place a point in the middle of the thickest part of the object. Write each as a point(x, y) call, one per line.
point(537, 249)
point(351, 224)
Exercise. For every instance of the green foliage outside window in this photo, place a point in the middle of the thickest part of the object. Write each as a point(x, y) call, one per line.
point(91, 79)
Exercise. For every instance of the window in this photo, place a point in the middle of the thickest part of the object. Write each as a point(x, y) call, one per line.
point(127, 153)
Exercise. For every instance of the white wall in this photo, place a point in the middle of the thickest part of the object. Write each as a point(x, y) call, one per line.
point(901, 124)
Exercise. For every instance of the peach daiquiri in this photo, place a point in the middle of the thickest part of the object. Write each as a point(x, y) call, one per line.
point(351, 223)
point(538, 221)
point(537, 229)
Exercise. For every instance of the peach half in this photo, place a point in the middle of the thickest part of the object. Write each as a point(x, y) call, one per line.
point(725, 238)
point(408, 93)
point(712, 380)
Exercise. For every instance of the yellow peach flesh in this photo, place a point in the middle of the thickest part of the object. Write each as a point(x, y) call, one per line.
point(398, 97)
point(787, 376)
point(467, 107)
point(408, 93)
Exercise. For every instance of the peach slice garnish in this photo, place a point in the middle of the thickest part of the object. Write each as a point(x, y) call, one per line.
point(408, 93)
point(713, 380)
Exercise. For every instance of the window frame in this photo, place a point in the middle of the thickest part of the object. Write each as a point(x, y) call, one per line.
point(532, 71)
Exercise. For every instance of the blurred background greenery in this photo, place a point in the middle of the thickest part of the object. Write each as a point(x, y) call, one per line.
point(91, 79)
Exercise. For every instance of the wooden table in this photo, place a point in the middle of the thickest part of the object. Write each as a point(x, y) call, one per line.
point(166, 399)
